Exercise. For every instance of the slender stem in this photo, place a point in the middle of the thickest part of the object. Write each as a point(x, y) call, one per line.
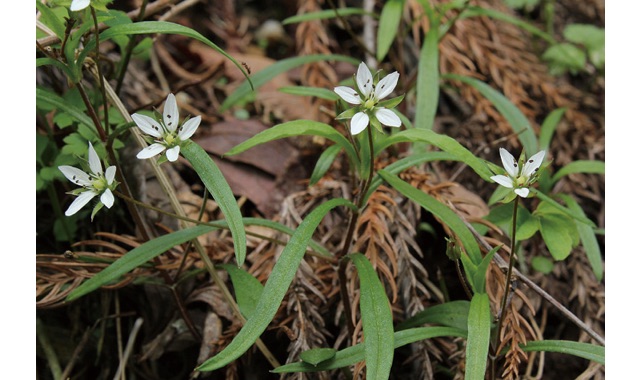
point(512, 260)
point(129, 50)
point(92, 112)
point(100, 77)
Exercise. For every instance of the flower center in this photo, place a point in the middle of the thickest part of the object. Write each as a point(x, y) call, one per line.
point(170, 139)
point(521, 181)
point(99, 184)
point(370, 103)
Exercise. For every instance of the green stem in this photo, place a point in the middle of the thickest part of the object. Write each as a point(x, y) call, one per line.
point(101, 78)
point(129, 50)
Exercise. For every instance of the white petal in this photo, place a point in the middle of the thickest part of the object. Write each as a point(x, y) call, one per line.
point(386, 85)
point(364, 79)
point(147, 125)
point(107, 198)
point(79, 202)
point(77, 5)
point(522, 191)
point(509, 162)
point(151, 151)
point(189, 128)
point(75, 175)
point(503, 180)
point(110, 174)
point(388, 117)
point(359, 122)
point(173, 153)
point(533, 163)
point(348, 94)
point(94, 161)
point(170, 115)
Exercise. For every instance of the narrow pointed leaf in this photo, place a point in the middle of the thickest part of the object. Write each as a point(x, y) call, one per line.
point(316, 356)
point(58, 102)
point(428, 84)
point(246, 287)
point(584, 350)
point(580, 166)
point(320, 93)
point(218, 187)
point(275, 288)
point(441, 211)
point(478, 338)
point(137, 257)
point(326, 14)
point(450, 314)
point(324, 163)
point(548, 127)
point(388, 26)
point(355, 354)
point(377, 321)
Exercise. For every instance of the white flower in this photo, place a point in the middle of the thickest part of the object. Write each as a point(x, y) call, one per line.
point(93, 184)
point(78, 5)
point(368, 99)
point(519, 178)
point(166, 133)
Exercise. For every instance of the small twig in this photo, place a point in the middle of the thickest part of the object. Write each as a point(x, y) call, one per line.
point(49, 352)
point(128, 348)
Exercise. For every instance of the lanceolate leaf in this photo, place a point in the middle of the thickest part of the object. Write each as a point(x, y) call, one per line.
point(377, 321)
point(297, 128)
point(451, 314)
point(324, 163)
point(274, 289)
point(428, 85)
point(478, 338)
point(580, 166)
point(442, 212)
point(548, 127)
point(388, 26)
point(329, 13)
point(443, 142)
point(584, 350)
point(246, 287)
point(217, 185)
point(56, 101)
point(514, 116)
point(137, 257)
point(355, 354)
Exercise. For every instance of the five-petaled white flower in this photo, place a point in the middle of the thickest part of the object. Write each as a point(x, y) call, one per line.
point(93, 184)
point(519, 178)
point(368, 99)
point(78, 5)
point(167, 135)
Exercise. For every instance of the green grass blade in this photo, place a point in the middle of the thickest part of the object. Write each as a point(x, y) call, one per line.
point(275, 288)
point(246, 287)
point(137, 257)
point(441, 211)
point(296, 128)
point(580, 166)
point(324, 163)
point(161, 27)
point(511, 113)
point(588, 239)
point(377, 321)
point(322, 15)
point(355, 354)
point(264, 76)
point(388, 26)
point(478, 338)
point(548, 127)
point(450, 314)
point(56, 101)
point(428, 82)
point(321, 93)
point(443, 142)
point(410, 161)
point(584, 350)
point(219, 189)
point(575, 215)
point(474, 11)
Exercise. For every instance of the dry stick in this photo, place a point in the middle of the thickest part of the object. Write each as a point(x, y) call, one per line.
point(177, 207)
point(49, 351)
point(503, 264)
point(128, 348)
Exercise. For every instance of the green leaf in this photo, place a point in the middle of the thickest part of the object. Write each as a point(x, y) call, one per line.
point(296, 128)
point(479, 277)
point(542, 264)
point(316, 356)
point(324, 163)
point(565, 57)
point(540, 195)
point(591, 36)
point(478, 338)
point(526, 224)
point(275, 288)
point(247, 288)
point(428, 82)
point(264, 76)
point(137, 257)
point(377, 320)
point(475, 11)
point(53, 100)
point(588, 238)
point(450, 314)
point(580, 166)
point(321, 15)
point(557, 230)
point(162, 27)
point(443, 142)
point(355, 354)
point(584, 350)
point(218, 187)
point(388, 26)
point(511, 113)
point(321, 93)
point(441, 211)
point(548, 127)
point(53, 18)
